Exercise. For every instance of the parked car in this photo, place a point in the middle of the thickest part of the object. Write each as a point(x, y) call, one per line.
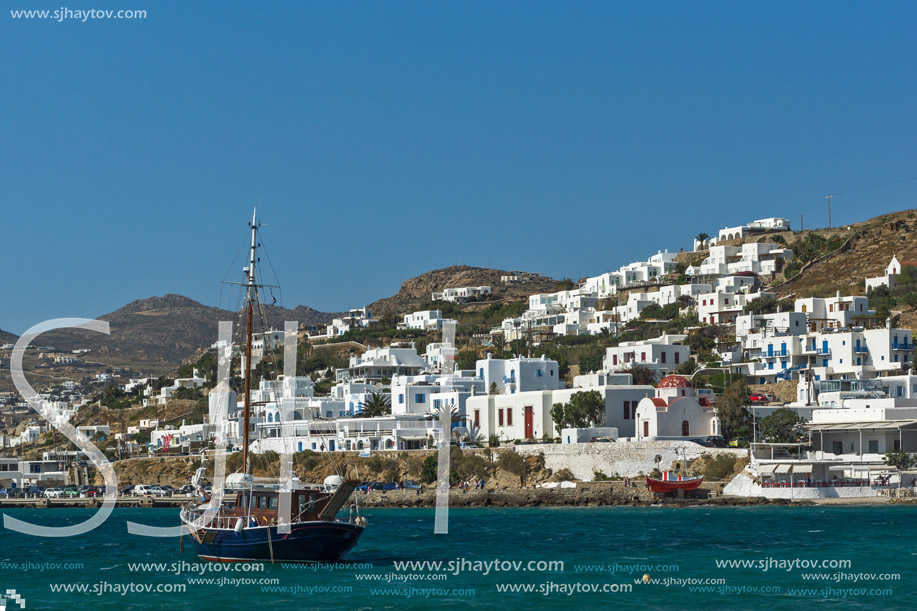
point(35, 490)
point(54, 493)
point(389, 486)
point(141, 490)
point(760, 397)
point(93, 491)
point(602, 440)
point(715, 441)
point(186, 489)
point(126, 490)
point(9, 492)
point(410, 485)
point(739, 442)
point(365, 487)
point(72, 492)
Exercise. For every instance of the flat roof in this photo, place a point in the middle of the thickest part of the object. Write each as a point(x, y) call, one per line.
point(876, 425)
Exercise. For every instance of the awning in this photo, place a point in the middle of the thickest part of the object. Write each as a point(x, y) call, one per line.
point(766, 469)
point(782, 468)
point(802, 469)
point(855, 467)
point(412, 437)
point(864, 426)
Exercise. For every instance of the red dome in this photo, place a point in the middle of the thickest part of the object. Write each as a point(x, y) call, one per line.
point(674, 382)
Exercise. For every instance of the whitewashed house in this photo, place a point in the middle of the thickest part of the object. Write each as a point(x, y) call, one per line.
point(520, 374)
point(675, 411)
point(661, 354)
point(378, 363)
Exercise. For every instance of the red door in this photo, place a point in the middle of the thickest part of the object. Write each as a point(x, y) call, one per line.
point(529, 422)
point(646, 428)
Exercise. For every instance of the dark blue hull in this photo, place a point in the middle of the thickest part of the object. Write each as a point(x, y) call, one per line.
point(306, 542)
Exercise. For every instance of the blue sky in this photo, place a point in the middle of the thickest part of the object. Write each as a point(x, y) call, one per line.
point(387, 139)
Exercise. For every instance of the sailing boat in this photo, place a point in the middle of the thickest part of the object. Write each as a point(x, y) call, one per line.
point(248, 521)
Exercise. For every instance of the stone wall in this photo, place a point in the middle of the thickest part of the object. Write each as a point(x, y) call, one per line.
point(629, 459)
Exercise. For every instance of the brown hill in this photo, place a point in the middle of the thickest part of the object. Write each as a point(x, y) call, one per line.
point(868, 248)
point(7, 338)
point(161, 331)
point(416, 292)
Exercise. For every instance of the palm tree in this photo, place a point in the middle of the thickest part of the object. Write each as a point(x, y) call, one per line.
point(376, 404)
point(499, 345)
point(702, 238)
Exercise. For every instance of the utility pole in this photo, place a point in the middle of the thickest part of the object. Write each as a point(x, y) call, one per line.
point(828, 197)
point(801, 225)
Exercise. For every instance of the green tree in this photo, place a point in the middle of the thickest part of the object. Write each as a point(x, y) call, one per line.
point(466, 359)
point(376, 404)
point(642, 375)
point(782, 426)
point(900, 459)
point(428, 470)
point(585, 409)
point(732, 410)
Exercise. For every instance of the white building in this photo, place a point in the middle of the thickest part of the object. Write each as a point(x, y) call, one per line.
point(379, 363)
point(461, 294)
point(675, 411)
point(725, 307)
point(195, 381)
point(661, 354)
point(520, 374)
point(890, 279)
point(527, 415)
point(835, 312)
point(426, 320)
point(357, 318)
point(757, 258)
point(753, 228)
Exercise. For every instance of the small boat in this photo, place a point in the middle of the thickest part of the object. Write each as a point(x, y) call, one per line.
point(270, 520)
point(673, 483)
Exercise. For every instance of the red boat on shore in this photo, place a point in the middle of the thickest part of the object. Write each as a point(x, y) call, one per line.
point(673, 483)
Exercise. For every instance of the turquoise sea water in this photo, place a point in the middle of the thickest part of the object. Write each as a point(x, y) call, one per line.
point(603, 547)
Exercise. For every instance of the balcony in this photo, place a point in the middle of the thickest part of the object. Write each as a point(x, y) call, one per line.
point(861, 350)
point(823, 351)
point(902, 346)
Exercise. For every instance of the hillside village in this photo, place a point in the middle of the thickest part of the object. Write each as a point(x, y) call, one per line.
point(759, 338)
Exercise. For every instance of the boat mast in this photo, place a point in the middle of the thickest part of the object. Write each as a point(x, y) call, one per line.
point(251, 295)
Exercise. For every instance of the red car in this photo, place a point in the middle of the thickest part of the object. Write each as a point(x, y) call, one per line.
point(760, 398)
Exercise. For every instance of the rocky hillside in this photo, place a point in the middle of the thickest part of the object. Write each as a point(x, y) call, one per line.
point(7, 338)
point(869, 246)
point(416, 292)
point(165, 330)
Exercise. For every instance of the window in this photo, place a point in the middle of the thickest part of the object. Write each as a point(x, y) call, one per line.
point(35, 468)
point(873, 446)
point(540, 373)
point(509, 417)
point(662, 355)
point(614, 359)
point(685, 428)
point(401, 398)
point(262, 502)
point(627, 410)
point(643, 356)
point(481, 372)
point(499, 417)
point(272, 503)
point(420, 398)
point(437, 403)
point(313, 445)
point(677, 357)
point(477, 417)
point(837, 447)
